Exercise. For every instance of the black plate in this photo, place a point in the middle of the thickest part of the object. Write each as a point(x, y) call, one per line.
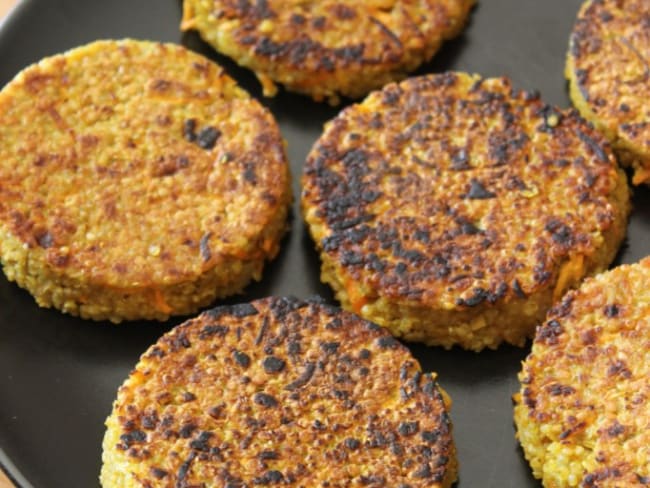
point(59, 375)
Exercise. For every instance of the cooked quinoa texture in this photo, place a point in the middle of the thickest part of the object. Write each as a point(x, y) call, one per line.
point(582, 413)
point(455, 210)
point(279, 392)
point(327, 48)
point(137, 181)
point(608, 68)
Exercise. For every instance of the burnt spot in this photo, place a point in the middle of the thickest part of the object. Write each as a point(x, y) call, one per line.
point(207, 138)
point(297, 19)
point(560, 390)
point(184, 469)
point(372, 479)
point(213, 330)
point(268, 456)
point(644, 480)
point(267, 47)
point(351, 258)
point(239, 310)
point(186, 430)
point(549, 332)
point(45, 239)
point(188, 396)
point(430, 436)
point(352, 444)
point(293, 348)
point(408, 428)
point(131, 438)
point(249, 173)
point(424, 471)
point(304, 378)
point(615, 429)
point(334, 324)
point(241, 358)
point(204, 247)
point(560, 232)
point(269, 478)
point(611, 311)
point(619, 368)
point(262, 332)
point(158, 473)
point(594, 146)
point(201, 442)
point(180, 340)
point(594, 479)
point(273, 364)
point(477, 191)
point(330, 347)
point(387, 342)
point(280, 307)
point(479, 296)
point(189, 130)
point(265, 400)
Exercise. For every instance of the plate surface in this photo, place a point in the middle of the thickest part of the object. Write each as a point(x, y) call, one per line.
point(59, 375)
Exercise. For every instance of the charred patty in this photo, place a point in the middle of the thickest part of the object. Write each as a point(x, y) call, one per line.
point(582, 414)
point(136, 181)
point(278, 392)
point(454, 210)
point(608, 68)
point(327, 48)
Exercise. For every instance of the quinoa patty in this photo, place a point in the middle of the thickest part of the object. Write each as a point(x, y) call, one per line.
point(608, 68)
point(454, 210)
point(278, 392)
point(136, 181)
point(327, 48)
point(582, 413)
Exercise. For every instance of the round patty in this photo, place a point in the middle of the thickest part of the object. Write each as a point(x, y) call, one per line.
point(279, 392)
point(136, 181)
point(582, 414)
point(454, 209)
point(327, 48)
point(608, 68)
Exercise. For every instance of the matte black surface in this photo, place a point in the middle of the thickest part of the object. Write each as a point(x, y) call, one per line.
point(59, 375)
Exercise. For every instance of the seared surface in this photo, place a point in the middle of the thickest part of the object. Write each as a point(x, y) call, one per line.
point(327, 48)
point(582, 414)
point(278, 392)
point(454, 209)
point(608, 68)
point(136, 181)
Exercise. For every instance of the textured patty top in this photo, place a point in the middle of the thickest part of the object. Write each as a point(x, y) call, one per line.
point(586, 383)
point(301, 43)
point(610, 56)
point(453, 191)
point(131, 162)
point(279, 392)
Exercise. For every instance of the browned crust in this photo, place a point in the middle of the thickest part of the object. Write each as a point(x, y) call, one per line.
point(279, 391)
point(583, 404)
point(608, 67)
point(140, 173)
point(458, 195)
point(327, 47)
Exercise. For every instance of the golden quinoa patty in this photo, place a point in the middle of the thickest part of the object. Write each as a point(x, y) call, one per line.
point(582, 414)
point(453, 209)
point(327, 48)
point(136, 181)
point(608, 68)
point(279, 392)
